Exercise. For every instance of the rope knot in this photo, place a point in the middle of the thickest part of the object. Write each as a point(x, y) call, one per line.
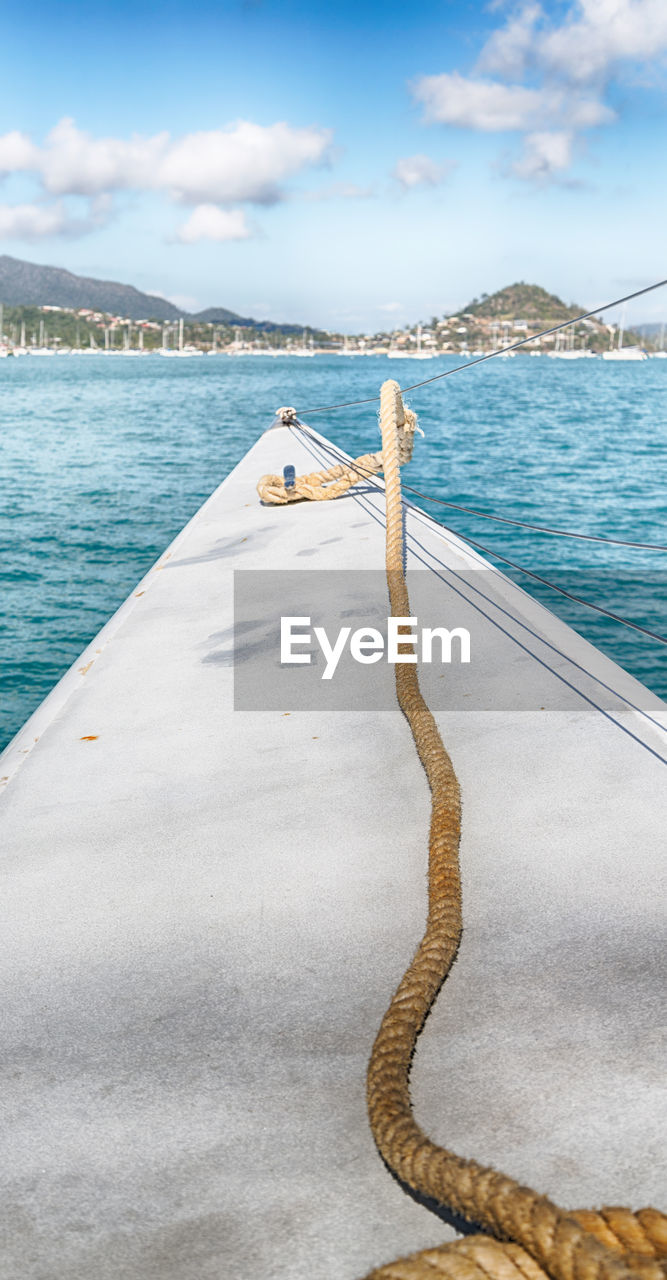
point(334, 481)
point(287, 415)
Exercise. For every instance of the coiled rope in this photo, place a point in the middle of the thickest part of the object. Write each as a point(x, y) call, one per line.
point(320, 486)
point(529, 1237)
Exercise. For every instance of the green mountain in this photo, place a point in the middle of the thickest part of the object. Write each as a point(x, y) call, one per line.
point(31, 284)
point(521, 302)
point(220, 315)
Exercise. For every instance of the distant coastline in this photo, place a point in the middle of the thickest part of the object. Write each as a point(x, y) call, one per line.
point(48, 310)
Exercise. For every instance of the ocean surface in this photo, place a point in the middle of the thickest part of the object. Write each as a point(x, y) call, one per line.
point(104, 460)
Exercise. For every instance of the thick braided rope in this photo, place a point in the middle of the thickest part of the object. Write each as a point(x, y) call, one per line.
point(321, 486)
point(636, 1237)
point(540, 1238)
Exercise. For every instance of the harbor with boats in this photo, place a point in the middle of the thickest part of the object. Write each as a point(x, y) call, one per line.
point(513, 318)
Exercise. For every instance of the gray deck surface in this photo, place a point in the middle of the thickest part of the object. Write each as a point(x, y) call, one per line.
point(205, 912)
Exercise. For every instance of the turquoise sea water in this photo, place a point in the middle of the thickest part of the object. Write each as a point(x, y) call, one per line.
point(104, 459)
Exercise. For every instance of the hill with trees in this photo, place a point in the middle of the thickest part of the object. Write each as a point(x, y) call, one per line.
point(522, 302)
point(31, 284)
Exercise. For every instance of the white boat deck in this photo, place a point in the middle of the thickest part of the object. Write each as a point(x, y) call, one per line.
point(206, 911)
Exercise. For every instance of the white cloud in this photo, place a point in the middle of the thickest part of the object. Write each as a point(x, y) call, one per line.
point(32, 221)
point(419, 171)
point(593, 40)
point(245, 163)
point(545, 155)
point(508, 50)
point(391, 307)
point(17, 153)
point(72, 162)
point(549, 76)
point(597, 35)
point(583, 113)
point(474, 104)
point(208, 222)
point(491, 107)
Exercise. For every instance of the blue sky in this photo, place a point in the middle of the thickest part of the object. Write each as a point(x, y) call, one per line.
point(350, 165)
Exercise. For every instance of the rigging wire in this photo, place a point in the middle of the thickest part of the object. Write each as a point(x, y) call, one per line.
point(522, 524)
point(443, 531)
point(541, 661)
point(539, 528)
point(349, 404)
point(361, 499)
point(654, 635)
